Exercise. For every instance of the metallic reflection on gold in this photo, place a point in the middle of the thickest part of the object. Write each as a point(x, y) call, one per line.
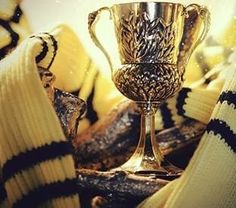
point(153, 43)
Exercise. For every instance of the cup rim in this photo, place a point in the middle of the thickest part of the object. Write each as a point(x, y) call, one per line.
point(147, 2)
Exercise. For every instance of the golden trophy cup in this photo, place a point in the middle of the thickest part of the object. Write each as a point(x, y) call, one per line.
point(154, 41)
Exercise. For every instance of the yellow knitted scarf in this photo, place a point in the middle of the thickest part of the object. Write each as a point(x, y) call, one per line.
point(35, 158)
point(29, 127)
point(209, 181)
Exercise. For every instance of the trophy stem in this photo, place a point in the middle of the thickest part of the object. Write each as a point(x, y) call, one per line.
point(147, 157)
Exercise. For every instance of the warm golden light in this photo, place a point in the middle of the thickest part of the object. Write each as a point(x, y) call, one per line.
point(46, 13)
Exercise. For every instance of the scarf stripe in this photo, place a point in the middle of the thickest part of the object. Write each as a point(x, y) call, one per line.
point(183, 94)
point(49, 48)
point(32, 157)
point(14, 38)
point(3, 194)
point(223, 129)
point(228, 96)
point(17, 15)
point(47, 192)
point(166, 116)
point(55, 48)
point(91, 114)
point(44, 50)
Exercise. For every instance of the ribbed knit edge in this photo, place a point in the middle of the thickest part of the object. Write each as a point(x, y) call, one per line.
point(28, 121)
point(209, 179)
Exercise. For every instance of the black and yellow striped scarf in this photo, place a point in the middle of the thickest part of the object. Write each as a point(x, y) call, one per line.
point(29, 126)
point(36, 161)
point(209, 179)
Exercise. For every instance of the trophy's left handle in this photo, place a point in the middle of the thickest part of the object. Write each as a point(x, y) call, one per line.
point(92, 20)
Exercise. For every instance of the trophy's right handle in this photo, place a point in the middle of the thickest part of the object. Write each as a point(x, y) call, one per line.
point(204, 16)
point(92, 20)
point(196, 27)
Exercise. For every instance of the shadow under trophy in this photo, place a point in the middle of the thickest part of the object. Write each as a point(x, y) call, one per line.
point(154, 41)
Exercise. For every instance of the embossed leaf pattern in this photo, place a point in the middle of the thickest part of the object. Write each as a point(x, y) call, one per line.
point(143, 40)
point(148, 82)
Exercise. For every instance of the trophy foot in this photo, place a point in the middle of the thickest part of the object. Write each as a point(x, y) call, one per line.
point(149, 167)
point(166, 171)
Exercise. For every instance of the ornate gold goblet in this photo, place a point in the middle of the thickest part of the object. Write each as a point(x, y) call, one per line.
point(154, 42)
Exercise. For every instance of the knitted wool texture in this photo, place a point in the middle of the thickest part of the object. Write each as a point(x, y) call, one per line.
point(28, 122)
point(36, 161)
point(210, 179)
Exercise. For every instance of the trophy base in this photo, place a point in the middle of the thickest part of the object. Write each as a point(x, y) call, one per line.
point(167, 171)
point(150, 168)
